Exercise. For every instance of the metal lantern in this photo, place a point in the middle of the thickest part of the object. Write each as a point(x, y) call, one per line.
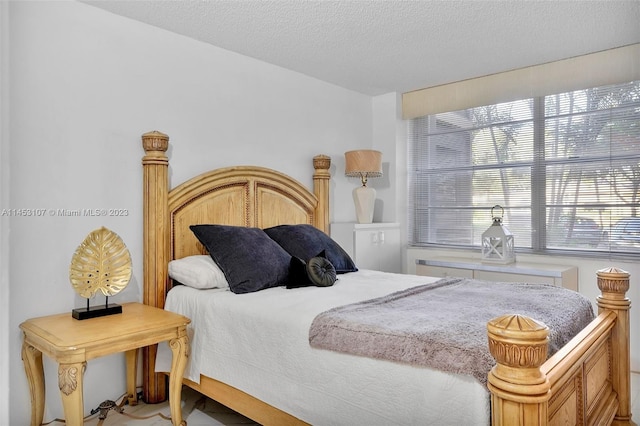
point(497, 241)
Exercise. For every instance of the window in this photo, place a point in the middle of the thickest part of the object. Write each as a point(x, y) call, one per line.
point(565, 168)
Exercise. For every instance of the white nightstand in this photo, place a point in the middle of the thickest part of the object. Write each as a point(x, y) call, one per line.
point(370, 245)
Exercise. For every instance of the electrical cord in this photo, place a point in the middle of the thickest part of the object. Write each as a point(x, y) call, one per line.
point(103, 409)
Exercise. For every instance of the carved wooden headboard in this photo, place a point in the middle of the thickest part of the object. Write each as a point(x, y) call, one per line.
point(241, 196)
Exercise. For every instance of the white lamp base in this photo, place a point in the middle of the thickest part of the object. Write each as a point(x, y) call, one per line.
point(364, 198)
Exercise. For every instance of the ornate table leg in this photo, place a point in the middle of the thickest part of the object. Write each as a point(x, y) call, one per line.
point(70, 378)
point(180, 350)
point(132, 374)
point(32, 359)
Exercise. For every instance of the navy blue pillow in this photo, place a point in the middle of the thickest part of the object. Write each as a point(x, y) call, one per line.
point(306, 242)
point(250, 260)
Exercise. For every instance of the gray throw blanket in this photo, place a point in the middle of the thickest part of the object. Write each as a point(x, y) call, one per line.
point(443, 325)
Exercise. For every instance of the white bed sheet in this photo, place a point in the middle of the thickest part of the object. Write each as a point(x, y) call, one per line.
point(258, 343)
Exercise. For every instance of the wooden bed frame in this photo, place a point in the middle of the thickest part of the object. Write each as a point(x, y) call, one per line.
point(585, 382)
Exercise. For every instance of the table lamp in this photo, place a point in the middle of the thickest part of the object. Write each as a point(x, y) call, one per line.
point(365, 164)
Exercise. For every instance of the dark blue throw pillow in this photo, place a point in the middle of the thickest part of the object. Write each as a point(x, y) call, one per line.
point(306, 242)
point(250, 260)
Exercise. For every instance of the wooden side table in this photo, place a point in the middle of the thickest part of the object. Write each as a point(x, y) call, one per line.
point(71, 343)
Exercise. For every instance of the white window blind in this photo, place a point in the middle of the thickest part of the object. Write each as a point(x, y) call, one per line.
point(565, 168)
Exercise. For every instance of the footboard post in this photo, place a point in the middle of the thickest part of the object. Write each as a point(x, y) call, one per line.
point(613, 284)
point(519, 389)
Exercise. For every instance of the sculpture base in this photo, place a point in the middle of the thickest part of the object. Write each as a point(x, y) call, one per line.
point(96, 311)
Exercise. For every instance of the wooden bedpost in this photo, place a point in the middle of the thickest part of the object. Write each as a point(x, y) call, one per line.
point(156, 252)
point(613, 284)
point(586, 382)
point(321, 176)
point(519, 389)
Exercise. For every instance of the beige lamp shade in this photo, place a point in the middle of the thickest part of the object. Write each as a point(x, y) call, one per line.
point(363, 163)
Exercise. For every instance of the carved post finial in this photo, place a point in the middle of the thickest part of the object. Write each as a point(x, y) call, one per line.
point(519, 345)
point(321, 162)
point(517, 341)
point(613, 283)
point(155, 143)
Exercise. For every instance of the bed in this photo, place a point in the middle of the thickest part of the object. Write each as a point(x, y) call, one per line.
point(587, 381)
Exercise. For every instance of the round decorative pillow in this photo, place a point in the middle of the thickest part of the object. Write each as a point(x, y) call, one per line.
point(321, 272)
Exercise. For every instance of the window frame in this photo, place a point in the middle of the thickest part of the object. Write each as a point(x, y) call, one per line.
point(539, 205)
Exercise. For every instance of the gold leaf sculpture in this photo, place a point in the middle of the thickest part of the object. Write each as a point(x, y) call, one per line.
point(101, 262)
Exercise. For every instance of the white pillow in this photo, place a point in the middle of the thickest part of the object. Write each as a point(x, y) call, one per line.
point(199, 271)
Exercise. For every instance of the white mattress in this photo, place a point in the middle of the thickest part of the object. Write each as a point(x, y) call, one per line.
point(258, 343)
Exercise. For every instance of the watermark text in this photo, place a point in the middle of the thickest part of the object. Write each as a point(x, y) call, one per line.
point(58, 212)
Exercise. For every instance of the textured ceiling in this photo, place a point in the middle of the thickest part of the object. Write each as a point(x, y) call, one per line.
point(376, 47)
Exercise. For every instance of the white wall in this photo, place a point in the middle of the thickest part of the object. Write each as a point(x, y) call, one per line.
point(387, 113)
point(85, 84)
point(4, 220)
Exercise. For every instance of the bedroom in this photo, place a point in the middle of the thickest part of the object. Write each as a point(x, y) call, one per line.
point(85, 84)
